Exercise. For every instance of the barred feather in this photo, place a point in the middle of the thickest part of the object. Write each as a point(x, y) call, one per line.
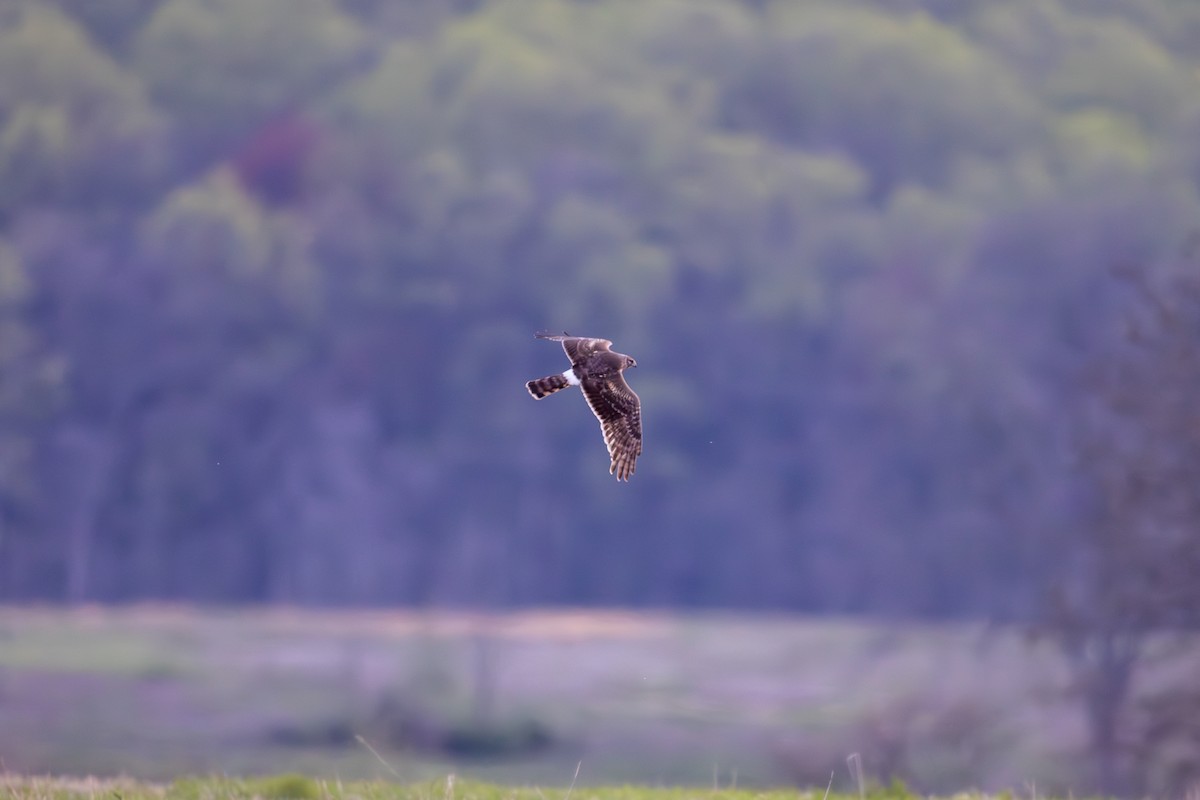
point(546, 386)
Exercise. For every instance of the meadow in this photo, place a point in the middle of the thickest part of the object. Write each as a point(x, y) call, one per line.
point(523, 699)
point(296, 787)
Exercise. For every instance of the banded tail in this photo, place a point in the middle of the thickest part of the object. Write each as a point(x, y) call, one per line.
point(552, 383)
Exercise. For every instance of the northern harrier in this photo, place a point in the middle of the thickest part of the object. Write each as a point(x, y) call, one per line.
point(597, 370)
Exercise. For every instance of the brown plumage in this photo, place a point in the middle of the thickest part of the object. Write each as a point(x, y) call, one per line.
point(597, 371)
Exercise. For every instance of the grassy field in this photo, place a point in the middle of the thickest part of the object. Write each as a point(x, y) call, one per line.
point(522, 699)
point(296, 787)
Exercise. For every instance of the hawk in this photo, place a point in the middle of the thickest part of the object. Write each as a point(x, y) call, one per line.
point(597, 371)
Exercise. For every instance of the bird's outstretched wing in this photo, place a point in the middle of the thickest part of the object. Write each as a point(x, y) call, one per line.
point(620, 413)
point(577, 347)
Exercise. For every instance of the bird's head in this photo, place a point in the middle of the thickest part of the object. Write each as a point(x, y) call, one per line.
point(630, 362)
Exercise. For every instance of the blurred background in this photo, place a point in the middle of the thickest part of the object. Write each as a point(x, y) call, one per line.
point(914, 288)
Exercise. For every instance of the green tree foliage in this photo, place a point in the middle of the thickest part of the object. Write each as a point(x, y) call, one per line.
point(905, 94)
point(221, 69)
point(75, 127)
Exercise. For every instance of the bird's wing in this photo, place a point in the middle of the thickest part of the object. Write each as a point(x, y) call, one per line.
point(578, 347)
point(620, 413)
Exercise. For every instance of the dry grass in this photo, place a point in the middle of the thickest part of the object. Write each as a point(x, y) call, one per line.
point(294, 787)
point(47, 788)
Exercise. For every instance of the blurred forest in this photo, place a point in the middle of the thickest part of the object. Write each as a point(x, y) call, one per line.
point(270, 270)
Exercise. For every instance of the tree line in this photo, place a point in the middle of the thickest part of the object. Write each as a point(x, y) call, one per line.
point(269, 275)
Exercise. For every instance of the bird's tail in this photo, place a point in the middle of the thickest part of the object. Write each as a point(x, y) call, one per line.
point(547, 385)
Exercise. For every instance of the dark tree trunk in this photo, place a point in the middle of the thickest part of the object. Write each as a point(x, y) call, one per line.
point(1106, 693)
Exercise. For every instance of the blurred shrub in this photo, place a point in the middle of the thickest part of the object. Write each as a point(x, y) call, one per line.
point(930, 742)
point(405, 723)
point(1166, 746)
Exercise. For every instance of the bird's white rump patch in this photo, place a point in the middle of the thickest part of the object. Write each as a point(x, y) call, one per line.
point(570, 376)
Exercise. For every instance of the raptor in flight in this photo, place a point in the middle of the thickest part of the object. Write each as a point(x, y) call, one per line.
point(596, 369)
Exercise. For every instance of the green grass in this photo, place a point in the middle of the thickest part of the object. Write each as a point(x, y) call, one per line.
point(297, 787)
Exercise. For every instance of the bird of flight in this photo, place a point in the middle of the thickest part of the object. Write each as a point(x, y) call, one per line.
point(597, 371)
